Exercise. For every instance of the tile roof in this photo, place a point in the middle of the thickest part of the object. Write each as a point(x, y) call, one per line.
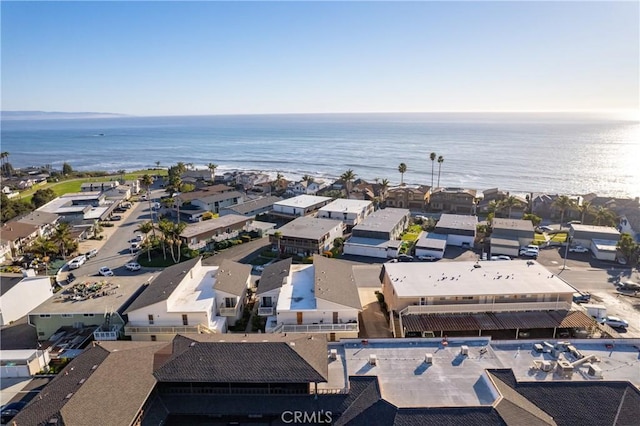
point(161, 288)
point(39, 218)
point(334, 282)
point(514, 408)
point(245, 359)
point(497, 321)
point(273, 275)
point(232, 277)
point(13, 230)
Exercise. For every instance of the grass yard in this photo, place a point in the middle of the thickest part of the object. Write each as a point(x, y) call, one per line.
point(412, 233)
point(559, 237)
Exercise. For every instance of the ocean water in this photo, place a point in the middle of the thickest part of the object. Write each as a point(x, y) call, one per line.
point(554, 153)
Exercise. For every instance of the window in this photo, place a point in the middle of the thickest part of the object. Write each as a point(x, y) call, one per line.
point(185, 319)
point(153, 338)
point(150, 319)
point(88, 315)
point(267, 302)
point(67, 315)
point(45, 316)
point(467, 297)
point(229, 302)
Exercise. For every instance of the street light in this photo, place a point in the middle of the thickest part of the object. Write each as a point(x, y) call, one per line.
point(566, 251)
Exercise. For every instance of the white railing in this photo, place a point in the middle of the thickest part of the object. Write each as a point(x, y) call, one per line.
point(266, 310)
point(162, 329)
point(228, 312)
point(486, 307)
point(316, 328)
point(105, 335)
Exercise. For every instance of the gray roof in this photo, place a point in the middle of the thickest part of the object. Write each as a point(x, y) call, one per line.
point(383, 220)
point(161, 288)
point(219, 197)
point(334, 282)
point(509, 224)
point(39, 218)
point(95, 380)
point(505, 242)
point(206, 191)
point(273, 275)
point(431, 240)
point(232, 277)
point(194, 229)
point(270, 358)
point(308, 227)
point(457, 221)
point(251, 205)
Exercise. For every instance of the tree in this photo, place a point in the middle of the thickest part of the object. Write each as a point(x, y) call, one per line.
point(402, 168)
point(628, 248)
point(432, 157)
point(157, 164)
point(212, 167)
point(67, 169)
point(11, 208)
point(43, 247)
point(62, 237)
point(440, 161)
point(585, 209)
point(97, 229)
point(278, 236)
point(145, 228)
point(42, 197)
point(509, 203)
point(535, 220)
point(348, 177)
point(384, 185)
point(563, 203)
point(308, 179)
point(605, 217)
point(165, 226)
point(146, 181)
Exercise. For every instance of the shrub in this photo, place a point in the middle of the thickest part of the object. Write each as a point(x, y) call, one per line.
point(327, 253)
point(308, 259)
point(245, 238)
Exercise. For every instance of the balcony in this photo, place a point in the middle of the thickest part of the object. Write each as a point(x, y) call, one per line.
point(486, 307)
point(158, 329)
point(266, 311)
point(316, 328)
point(228, 312)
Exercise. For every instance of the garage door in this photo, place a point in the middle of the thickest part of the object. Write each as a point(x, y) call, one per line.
point(358, 250)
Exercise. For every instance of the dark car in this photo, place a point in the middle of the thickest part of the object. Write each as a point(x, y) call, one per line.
point(580, 297)
point(405, 258)
point(116, 217)
point(10, 410)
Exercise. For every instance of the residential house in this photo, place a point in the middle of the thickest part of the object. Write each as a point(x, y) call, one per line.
point(5, 249)
point(99, 186)
point(18, 236)
point(249, 180)
point(199, 235)
point(302, 205)
point(186, 197)
point(215, 202)
point(601, 240)
point(414, 198)
point(134, 186)
point(305, 187)
point(508, 235)
point(251, 208)
point(22, 362)
point(378, 234)
point(19, 295)
point(46, 222)
point(189, 298)
point(306, 236)
point(431, 244)
point(118, 193)
point(459, 229)
point(471, 299)
point(627, 209)
point(350, 212)
point(198, 174)
point(319, 298)
point(543, 205)
point(453, 200)
point(81, 208)
point(489, 195)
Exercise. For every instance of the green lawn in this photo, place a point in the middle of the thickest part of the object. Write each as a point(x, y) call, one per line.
point(412, 233)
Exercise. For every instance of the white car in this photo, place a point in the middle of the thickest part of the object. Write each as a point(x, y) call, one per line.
point(614, 322)
point(77, 262)
point(501, 257)
point(427, 258)
point(578, 249)
point(105, 272)
point(132, 266)
point(545, 228)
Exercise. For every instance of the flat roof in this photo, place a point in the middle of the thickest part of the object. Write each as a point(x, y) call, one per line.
point(431, 240)
point(298, 292)
point(370, 242)
point(593, 228)
point(605, 245)
point(407, 381)
point(195, 292)
point(117, 291)
point(457, 221)
point(506, 242)
point(251, 205)
point(308, 227)
point(302, 201)
point(343, 205)
point(194, 229)
point(383, 220)
point(464, 279)
point(511, 224)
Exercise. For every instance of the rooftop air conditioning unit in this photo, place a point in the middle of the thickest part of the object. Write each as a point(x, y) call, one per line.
point(333, 354)
point(428, 358)
point(464, 350)
point(595, 371)
point(373, 359)
point(546, 366)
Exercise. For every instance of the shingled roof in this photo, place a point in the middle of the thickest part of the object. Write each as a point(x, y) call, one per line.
point(245, 359)
point(90, 389)
point(274, 274)
point(232, 277)
point(334, 282)
point(161, 288)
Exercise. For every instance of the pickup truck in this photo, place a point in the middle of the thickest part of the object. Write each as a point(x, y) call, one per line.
point(580, 297)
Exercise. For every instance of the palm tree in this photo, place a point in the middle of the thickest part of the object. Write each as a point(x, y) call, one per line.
point(278, 236)
point(432, 157)
point(563, 203)
point(157, 164)
point(165, 226)
point(604, 217)
point(43, 247)
point(213, 168)
point(145, 228)
point(174, 241)
point(585, 209)
point(384, 185)
point(440, 161)
point(62, 237)
point(146, 181)
point(402, 168)
point(509, 203)
point(348, 177)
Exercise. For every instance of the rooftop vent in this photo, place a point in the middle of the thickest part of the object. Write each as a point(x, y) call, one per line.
point(373, 359)
point(69, 395)
point(192, 344)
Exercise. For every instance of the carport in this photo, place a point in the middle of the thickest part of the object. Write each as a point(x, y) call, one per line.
point(506, 325)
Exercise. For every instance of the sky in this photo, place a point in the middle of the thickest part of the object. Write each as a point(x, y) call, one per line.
point(197, 58)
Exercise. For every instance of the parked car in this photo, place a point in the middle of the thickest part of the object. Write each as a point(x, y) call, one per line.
point(91, 253)
point(581, 297)
point(116, 217)
point(77, 262)
point(258, 268)
point(119, 210)
point(427, 258)
point(529, 253)
point(578, 249)
point(501, 257)
point(132, 266)
point(405, 258)
point(105, 271)
point(545, 228)
point(10, 410)
point(629, 285)
point(614, 322)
